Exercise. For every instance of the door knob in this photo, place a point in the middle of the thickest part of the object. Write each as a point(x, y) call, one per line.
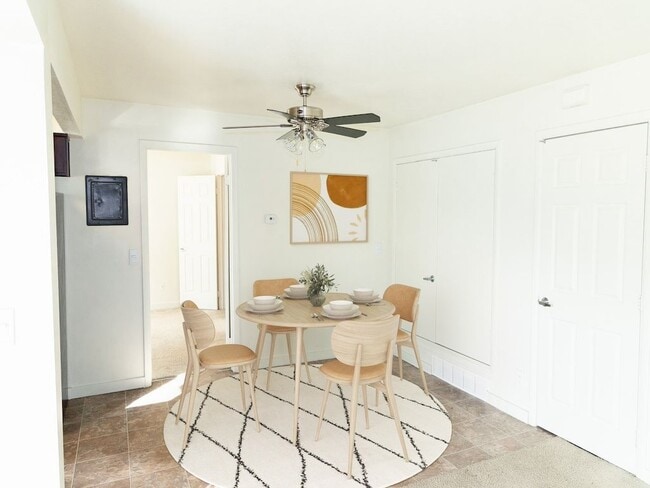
point(429, 278)
point(544, 302)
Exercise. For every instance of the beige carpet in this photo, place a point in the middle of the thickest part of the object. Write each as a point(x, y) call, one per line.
point(168, 353)
point(551, 464)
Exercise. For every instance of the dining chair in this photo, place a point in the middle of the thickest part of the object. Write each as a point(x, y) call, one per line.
point(202, 356)
point(364, 356)
point(406, 300)
point(276, 287)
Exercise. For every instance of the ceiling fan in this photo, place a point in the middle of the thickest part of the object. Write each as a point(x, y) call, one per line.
point(305, 121)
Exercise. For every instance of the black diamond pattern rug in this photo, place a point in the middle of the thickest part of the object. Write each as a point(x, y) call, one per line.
point(225, 449)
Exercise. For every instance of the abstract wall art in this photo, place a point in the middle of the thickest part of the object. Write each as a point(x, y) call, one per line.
point(327, 208)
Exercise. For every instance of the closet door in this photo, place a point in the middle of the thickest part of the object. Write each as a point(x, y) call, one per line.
point(445, 233)
point(415, 231)
point(465, 254)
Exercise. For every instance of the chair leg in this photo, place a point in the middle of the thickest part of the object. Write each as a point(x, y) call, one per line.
point(193, 387)
point(364, 390)
point(186, 383)
point(395, 415)
point(417, 359)
point(252, 393)
point(269, 369)
point(322, 408)
point(241, 388)
point(286, 336)
point(399, 357)
point(353, 425)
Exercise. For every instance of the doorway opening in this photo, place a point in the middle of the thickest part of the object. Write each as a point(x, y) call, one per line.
point(186, 236)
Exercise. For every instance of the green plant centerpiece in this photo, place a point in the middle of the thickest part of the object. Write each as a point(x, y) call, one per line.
point(318, 282)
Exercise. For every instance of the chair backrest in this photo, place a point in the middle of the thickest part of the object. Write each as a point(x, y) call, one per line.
point(405, 298)
point(272, 287)
point(368, 343)
point(189, 304)
point(200, 324)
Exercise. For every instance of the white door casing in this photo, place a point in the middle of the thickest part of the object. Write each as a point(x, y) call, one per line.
point(591, 244)
point(445, 228)
point(197, 240)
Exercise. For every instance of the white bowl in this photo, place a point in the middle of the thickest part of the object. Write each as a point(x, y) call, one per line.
point(341, 305)
point(297, 290)
point(340, 313)
point(264, 300)
point(363, 293)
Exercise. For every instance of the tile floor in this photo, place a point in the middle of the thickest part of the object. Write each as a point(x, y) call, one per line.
point(116, 440)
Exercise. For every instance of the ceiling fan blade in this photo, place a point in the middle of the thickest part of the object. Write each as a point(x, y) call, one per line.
point(352, 119)
point(280, 112)
point(256, 126)
point(344, 131)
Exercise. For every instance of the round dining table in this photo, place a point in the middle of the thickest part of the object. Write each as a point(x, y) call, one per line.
point(301, 314)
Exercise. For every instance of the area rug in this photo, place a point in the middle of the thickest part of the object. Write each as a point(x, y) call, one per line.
point(225, 449)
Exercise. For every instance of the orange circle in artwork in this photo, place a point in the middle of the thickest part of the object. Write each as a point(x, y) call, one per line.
point(347, 191)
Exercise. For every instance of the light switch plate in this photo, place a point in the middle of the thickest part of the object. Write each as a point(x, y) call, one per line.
point(7, 326)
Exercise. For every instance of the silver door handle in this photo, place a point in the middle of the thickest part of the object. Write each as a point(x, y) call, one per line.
point(544, 302)
point(429, 278)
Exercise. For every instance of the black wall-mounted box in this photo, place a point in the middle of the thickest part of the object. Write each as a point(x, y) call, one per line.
point(61, 154)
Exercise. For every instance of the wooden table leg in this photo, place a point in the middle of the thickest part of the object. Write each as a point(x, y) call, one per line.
point(296, 394)
point(258, 350)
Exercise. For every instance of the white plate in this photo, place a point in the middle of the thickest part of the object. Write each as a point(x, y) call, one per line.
point(374, 299)
point(341, 317)
point(273, 307)
point(251, 310)
point(340, 313)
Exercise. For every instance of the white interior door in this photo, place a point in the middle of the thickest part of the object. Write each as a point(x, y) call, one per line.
point(592, 209)
point(445, 228)
point(197, 239)
point(465, 254)
point(415, 230)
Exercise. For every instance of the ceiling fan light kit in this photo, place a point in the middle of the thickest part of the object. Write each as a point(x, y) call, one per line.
point(305, 121)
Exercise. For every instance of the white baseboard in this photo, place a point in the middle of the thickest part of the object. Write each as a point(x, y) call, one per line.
point(477, 386)
point(467, 381)
point(102, 388)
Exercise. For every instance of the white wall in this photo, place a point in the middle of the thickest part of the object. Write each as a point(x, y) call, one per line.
point(104, 293)
point(29, 330)
point(67, 102)
point(514, 124)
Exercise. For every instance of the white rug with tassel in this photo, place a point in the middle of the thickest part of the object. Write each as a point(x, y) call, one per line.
point(225, 449)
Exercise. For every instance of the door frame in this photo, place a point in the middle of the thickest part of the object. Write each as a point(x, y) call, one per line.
point(231, 260)
point(643, 404)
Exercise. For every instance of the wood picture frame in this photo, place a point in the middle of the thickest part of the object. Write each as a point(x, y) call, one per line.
point(328, 208)
point(106, 200)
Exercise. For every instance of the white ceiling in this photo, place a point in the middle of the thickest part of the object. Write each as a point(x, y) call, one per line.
point(404, 60)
